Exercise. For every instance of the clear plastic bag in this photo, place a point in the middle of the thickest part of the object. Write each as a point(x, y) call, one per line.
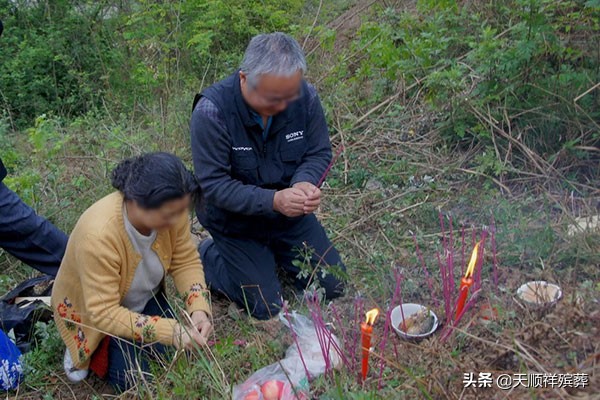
point(311, 354)
point(272, 383)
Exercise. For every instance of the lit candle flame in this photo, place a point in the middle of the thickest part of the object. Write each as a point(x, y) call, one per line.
point(371, 316)
point(472, 261)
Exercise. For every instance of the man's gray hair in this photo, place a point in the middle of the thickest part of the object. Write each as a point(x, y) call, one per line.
point(272, 53)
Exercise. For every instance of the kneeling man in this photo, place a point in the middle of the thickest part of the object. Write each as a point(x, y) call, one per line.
point(260, 145)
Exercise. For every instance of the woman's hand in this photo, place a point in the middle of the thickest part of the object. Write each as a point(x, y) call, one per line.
point(186, 337)
point(202, 324)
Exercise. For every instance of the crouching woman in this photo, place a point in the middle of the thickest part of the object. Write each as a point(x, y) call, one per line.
point(109, 296)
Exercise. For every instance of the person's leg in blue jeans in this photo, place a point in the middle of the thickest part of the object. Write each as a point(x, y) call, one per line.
point(244, 270)
point(29, 237)
point(127, 359)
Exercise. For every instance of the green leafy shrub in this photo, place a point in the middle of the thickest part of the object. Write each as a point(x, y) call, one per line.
point(490, 70)
point(54, 58)
point(68, 57)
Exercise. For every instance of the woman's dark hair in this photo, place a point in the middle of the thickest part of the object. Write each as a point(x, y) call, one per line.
point(152, 179)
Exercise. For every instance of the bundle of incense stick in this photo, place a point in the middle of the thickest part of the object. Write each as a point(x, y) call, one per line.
point(327, 342)
point(324, 176)
point(287, 317)
point(350, 334)
point(396, 299)
point(447, 260)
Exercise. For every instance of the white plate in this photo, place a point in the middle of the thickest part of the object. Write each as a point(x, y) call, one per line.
point(539, 293)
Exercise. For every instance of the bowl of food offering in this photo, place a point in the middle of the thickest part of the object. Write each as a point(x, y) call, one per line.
point(414, 321)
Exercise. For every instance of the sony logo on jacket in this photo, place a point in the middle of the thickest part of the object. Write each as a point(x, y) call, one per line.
point(291, 137)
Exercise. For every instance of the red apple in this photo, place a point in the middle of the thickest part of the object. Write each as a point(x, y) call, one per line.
point(253, 395)
point(271, 390)
point(290, 394)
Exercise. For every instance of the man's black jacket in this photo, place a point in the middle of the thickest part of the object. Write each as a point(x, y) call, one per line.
point(239, 171)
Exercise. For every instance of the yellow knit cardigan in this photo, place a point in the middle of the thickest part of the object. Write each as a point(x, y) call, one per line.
point(96, 273)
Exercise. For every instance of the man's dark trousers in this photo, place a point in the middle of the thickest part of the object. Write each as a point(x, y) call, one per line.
point(27, 236)
point(244, 268)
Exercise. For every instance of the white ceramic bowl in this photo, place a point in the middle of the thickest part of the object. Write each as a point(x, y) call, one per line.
point(539, 293)
point(410, 309)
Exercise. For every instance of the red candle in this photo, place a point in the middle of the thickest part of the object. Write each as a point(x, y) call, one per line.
point(465, 284)
point(366, 330)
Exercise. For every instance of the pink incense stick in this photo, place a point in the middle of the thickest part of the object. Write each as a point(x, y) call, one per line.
point(494, 253)
point(424, 266)
point(450, 254)
point(289, 320)
point(324, 176)
point(462, 262)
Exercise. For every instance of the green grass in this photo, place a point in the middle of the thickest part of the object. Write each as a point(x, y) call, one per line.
point(372, 233)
